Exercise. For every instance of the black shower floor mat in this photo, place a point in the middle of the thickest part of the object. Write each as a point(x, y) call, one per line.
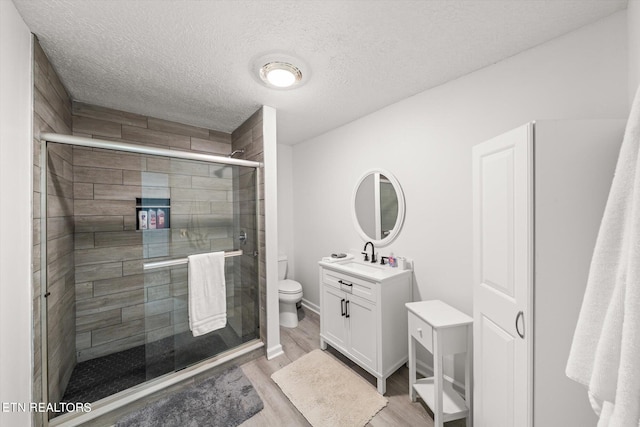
point(98, 378)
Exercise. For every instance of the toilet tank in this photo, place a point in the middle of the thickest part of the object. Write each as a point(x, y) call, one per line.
point(282, 267)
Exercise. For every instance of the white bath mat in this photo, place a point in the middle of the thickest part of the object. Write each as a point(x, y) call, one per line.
point(328, 393)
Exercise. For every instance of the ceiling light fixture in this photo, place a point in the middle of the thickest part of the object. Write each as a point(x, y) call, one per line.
point(280, 74)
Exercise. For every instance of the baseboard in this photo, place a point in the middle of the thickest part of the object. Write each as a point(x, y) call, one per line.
point(274, 351)
point(427, 371)
point(311, 306)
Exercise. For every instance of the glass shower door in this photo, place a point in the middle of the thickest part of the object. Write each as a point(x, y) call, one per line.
point(204, 208)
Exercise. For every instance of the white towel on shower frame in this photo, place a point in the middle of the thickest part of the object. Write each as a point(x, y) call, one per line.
point(207, 293)
point(605, 354)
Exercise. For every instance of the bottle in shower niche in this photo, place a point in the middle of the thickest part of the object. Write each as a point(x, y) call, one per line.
point(142, 220)
point(152, 219)
point(160, 219)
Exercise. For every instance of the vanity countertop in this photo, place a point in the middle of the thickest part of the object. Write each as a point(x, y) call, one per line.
point(365, 270)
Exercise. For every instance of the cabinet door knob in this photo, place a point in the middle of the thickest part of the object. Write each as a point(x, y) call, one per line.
point(420, 331)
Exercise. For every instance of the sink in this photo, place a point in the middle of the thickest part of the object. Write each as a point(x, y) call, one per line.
point(363, 269)
point(371, 269)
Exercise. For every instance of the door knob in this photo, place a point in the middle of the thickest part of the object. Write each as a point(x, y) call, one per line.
point(520, 315)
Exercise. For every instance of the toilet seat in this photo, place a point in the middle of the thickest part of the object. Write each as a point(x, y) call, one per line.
point(288, 286)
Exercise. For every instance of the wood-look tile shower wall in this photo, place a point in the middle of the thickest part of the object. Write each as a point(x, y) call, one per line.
point(52, 113)
point(119, 307)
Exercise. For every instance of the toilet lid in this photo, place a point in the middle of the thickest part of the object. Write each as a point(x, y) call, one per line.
point(287, 286)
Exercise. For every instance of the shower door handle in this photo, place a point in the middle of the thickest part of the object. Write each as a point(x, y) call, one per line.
point(243, 237)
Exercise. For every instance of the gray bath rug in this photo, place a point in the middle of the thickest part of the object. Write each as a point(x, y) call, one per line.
point(227, 399)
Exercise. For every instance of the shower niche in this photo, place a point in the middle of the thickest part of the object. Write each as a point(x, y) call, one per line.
point(153, 214)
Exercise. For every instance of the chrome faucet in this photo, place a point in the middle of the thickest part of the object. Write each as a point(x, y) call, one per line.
point(373, 253)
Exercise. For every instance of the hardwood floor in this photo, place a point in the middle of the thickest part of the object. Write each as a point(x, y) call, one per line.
point(279, 411)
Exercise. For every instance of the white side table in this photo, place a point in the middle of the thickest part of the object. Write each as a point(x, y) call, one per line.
point(442, 330)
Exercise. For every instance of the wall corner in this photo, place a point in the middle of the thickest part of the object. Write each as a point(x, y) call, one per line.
point(270, 142)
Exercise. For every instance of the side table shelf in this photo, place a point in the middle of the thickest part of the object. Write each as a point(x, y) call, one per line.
point(443, 331)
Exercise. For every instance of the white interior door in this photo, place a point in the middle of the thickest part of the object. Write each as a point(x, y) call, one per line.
point(502, 192)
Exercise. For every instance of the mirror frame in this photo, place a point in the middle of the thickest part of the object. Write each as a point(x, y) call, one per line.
point(401, 209)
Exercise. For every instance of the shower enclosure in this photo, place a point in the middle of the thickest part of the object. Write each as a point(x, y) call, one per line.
point(121, 220)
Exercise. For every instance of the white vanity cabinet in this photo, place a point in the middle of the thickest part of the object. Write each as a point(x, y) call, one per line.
point(362, 315)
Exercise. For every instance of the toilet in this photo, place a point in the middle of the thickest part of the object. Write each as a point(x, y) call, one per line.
point(289, 295)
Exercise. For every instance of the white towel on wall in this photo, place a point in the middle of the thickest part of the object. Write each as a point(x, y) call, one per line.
point(207, 293)
point(605, 353)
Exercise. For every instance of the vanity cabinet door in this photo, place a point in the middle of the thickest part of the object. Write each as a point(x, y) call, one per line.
point(333, 316)
point(363, 342)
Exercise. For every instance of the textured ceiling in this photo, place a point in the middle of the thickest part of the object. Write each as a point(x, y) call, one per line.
point(191, 60)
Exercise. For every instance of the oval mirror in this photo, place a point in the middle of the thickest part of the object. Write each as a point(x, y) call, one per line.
point(378, 207)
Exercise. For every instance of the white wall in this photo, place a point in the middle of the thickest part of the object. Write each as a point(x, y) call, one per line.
point(15, 213)
point(285, 204)
point(426, 142)
point(633, 25)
